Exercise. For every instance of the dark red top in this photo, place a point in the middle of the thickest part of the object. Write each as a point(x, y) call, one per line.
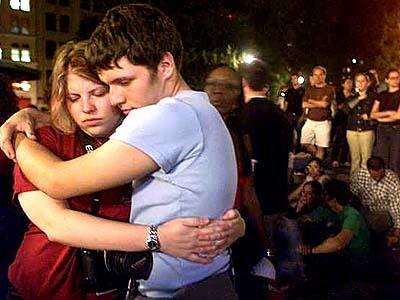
point(49, 270)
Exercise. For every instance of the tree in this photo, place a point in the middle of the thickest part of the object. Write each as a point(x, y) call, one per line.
point(389, 44)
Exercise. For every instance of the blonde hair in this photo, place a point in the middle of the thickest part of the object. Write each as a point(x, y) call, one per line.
point(69, 59)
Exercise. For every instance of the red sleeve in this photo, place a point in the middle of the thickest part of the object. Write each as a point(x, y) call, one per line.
point(47, 137)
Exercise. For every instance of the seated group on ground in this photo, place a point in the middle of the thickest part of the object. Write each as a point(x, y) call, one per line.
point(332, 226)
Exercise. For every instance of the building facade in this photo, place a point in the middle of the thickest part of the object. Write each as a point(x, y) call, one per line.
point(32, 30)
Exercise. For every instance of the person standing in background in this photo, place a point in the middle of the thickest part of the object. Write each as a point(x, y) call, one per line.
point(317, 100)
point(386, 110)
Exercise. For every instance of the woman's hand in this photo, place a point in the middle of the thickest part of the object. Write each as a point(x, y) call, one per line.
point(180, 237)
point(224, 232)
point(200, 239)
point(26, 121)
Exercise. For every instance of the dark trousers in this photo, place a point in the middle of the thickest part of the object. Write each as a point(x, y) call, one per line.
point(340, 148)
point(388, 145)
point(218, 287)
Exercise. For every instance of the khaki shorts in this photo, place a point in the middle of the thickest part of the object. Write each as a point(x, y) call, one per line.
point(316, 133)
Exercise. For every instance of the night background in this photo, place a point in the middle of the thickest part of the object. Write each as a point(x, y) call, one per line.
point(290, 35)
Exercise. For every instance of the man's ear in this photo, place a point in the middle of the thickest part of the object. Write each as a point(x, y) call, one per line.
point(166, 68)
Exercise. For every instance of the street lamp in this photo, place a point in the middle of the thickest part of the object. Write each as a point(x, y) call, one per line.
point(248, 58)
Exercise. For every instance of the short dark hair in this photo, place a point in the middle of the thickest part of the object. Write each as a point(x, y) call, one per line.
point(319, 162)
point(339, 190)
point(390, 71)
point(140, 32)
point(255, 73)
point(375, 163)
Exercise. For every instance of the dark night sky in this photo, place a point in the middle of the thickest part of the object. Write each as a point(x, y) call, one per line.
point(296, 33)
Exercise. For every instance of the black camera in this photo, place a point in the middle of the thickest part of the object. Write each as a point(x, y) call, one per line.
point(108, 270)
point(134, 265)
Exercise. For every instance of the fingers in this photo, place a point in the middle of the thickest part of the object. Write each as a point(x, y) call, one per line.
point(27, 128)
point(231, 214)
point(195, 222)
point(7, 147)
point(198, 258)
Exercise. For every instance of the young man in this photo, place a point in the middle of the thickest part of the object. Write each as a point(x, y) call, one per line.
point(386, 110)
point(173, 144)
point(269, 135)
point(379, 191)
point(349, 249)
point(317, 100)
point(353, 236)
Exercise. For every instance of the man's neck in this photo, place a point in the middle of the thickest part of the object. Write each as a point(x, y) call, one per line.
point(175, 86)
point(253, 94)
point(393, 89)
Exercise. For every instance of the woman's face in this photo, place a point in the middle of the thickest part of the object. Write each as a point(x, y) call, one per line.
point(89, 106)
point(314, 169)
point(306, 195)
point(361, 83)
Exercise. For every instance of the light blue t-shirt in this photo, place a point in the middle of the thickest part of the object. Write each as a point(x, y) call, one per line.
point(189, 141)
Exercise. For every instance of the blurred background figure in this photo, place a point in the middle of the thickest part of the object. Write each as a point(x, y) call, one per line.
point(386, 109)
point(293, 106)
point(12, 223)
point(224, 87)
point(340, 148)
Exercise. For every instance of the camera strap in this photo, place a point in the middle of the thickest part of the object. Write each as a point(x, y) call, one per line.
point(89, 144)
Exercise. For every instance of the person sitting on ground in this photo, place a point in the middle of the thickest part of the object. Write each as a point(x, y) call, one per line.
point(314, 171)
point(353, 237)
point(378, 189)
point(308, 200)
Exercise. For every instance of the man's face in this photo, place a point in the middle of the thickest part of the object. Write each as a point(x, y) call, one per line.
point(318, 77)
point(393, 79)
point(377, 175)
point(132, 86)
point(223, 87)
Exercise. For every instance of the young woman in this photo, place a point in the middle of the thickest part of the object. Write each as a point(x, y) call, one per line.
point(386, 110)
point(45, 267)
point(360, 129)
point(314, 171)
point(310, 197)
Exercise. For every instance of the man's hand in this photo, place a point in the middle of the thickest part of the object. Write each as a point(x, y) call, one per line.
point(26, 121)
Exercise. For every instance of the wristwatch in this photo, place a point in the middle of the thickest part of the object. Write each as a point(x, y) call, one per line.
point(152, 242)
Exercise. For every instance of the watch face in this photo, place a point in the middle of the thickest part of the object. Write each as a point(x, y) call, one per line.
point(152, 245)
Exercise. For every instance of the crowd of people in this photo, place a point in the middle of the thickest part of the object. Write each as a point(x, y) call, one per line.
point(129, 154)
